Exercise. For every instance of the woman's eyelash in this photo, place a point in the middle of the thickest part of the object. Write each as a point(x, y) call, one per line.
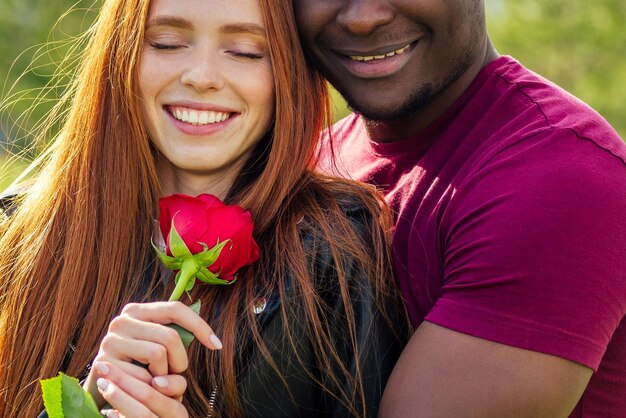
point(156, 45)
point(249, 55)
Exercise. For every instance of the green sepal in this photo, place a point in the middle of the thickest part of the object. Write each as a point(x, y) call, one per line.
point(169, 262)
point(208, 257)
point(205, 275)
point(64, 397)
point(177, 246)
point(186, 336)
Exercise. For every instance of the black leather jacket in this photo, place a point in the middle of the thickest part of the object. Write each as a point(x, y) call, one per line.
point(262, 390)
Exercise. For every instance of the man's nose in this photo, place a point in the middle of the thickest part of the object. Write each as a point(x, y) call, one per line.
point(203, 74)
point(362, 17)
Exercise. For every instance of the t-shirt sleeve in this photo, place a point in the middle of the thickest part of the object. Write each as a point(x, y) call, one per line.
point(535, 249)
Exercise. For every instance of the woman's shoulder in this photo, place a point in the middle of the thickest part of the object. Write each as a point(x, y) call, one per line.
point(357, 201)
point(346, 220)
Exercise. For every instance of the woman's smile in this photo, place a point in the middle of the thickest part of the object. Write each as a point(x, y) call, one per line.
point(207, 89)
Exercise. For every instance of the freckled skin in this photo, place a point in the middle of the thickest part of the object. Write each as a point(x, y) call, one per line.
point(202, 66)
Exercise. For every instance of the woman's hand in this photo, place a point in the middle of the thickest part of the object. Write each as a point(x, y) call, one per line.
point(129, 397)
point(140, 335)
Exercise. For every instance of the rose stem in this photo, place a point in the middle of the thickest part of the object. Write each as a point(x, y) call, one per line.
point(188, 272)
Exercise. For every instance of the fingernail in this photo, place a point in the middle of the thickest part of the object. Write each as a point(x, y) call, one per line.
point(215, 341)
point(103, 384)
point(113, 414)
point(102, 368)
point(161, 382)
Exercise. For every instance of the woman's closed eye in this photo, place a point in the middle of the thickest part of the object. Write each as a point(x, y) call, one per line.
point(166, 40)
point(245, 54)
point(165, 47)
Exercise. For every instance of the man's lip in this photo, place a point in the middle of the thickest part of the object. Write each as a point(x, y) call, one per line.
point(378, 68)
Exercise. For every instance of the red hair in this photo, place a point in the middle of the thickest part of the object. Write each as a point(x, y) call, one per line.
point(78, 245)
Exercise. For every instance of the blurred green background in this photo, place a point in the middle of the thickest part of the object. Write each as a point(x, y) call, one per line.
point(576, 43)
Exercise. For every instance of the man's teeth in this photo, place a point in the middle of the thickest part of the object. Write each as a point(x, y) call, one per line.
point(379, 57)
point(199, 117)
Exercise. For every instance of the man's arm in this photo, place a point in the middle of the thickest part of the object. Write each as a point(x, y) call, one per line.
point(444, 373)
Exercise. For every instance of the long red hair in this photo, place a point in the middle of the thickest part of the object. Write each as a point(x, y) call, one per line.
point(76, 248)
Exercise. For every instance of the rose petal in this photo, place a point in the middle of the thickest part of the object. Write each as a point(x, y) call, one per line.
point(205, 219)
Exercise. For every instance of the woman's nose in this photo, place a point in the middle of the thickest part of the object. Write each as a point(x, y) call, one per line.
point(203, 74)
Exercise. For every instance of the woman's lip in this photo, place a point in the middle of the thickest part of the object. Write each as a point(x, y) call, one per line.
point(199, 106)
point(200, 130)
point(378, 68)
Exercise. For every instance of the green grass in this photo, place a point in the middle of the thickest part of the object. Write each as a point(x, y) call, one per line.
point(10, 168)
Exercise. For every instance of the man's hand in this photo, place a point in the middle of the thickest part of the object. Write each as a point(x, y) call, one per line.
point(443, 373)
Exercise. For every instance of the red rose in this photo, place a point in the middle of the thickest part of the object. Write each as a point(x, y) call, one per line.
point(207, 220)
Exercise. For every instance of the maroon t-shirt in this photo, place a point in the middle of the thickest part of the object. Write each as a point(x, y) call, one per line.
point(511, 222)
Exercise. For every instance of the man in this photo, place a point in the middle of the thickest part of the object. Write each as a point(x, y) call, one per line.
point(510, 204)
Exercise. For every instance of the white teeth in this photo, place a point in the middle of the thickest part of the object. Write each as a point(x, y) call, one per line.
point(362, 58)
point(198, 117)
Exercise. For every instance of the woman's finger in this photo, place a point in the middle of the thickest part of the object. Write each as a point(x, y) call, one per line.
point(132, 398)
point(130, 328)
point(153, 355)
point(137, 371)
point(173, 385)
point(124, 404)
point(174, 313)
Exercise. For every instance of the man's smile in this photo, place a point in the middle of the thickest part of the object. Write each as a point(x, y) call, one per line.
point(381, 55)
point(379, 63)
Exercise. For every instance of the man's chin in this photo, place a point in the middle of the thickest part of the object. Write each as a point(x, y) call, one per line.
point(389, 112)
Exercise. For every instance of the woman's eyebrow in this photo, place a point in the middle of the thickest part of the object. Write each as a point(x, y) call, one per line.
point(173, 21)
point(234, 28)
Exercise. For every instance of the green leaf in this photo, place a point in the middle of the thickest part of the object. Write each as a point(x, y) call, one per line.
point(52, 399)
point(208, 257)
point(196, 306)
point(186, 336)
point(63, 397)
point(177, 246)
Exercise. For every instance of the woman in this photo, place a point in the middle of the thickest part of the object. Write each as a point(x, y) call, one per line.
point(200, 96)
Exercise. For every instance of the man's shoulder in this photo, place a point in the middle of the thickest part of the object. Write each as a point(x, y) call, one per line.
point(547, 106)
